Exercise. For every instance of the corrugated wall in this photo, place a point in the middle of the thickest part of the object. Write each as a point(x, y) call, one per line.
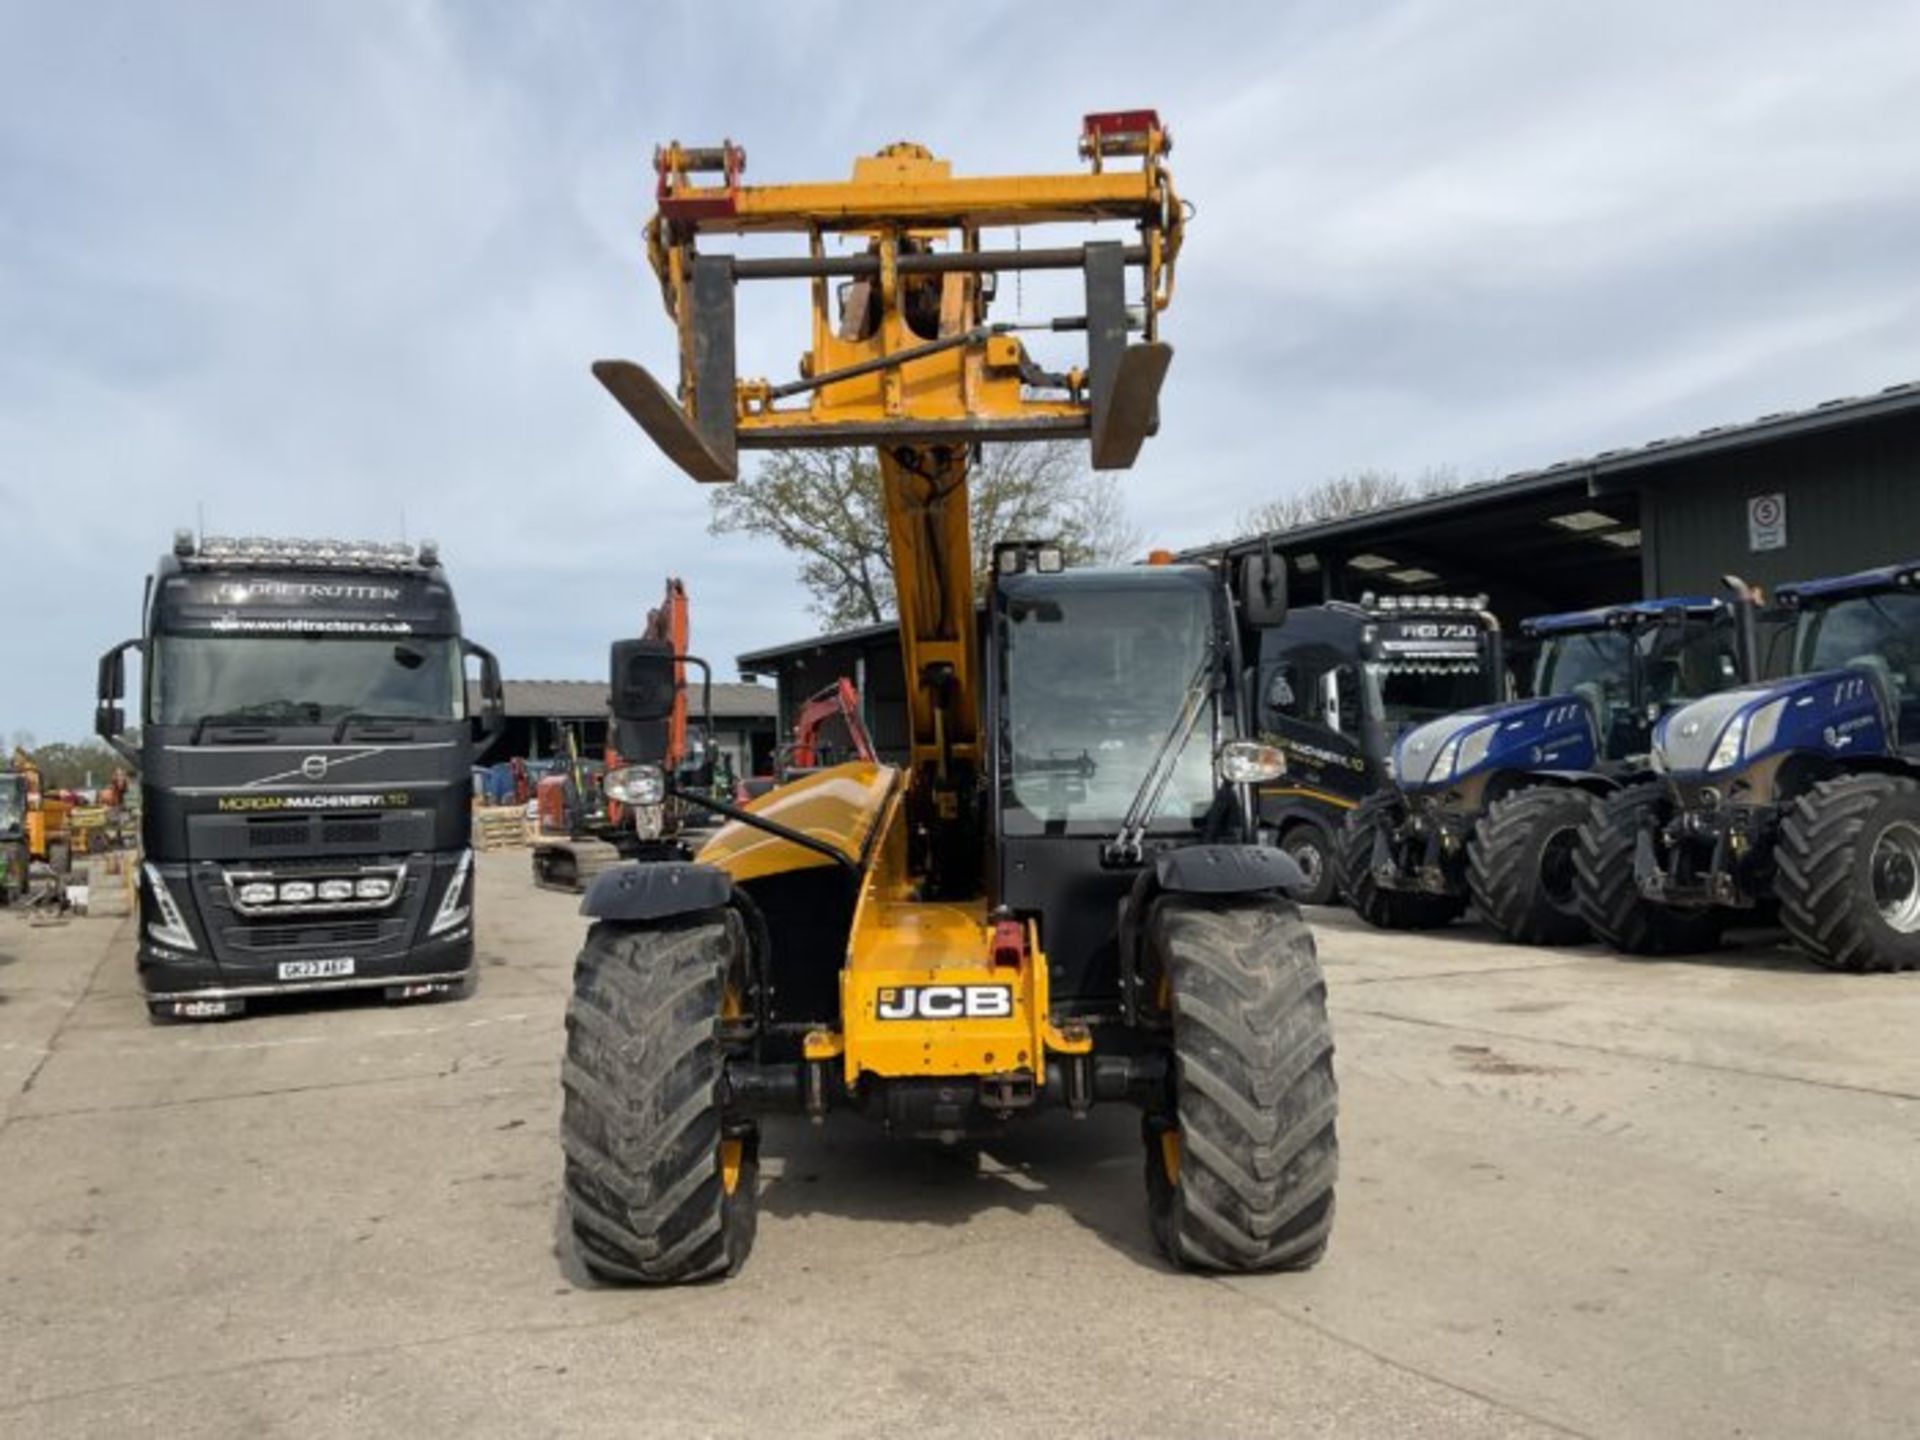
point(1852, 500)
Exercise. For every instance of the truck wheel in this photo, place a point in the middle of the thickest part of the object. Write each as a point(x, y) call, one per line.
point(1372, 901)
point(1849, 873)
point(1520, 865)
point(659, 1179)
point(1240, 1168)
point(1312, 850)
point(1610, 901)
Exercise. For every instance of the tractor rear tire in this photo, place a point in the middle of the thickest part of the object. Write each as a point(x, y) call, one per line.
point(1313, 851)
point(1240, 1170)
point(1520, 865)
point(1608, 897)
point(660, 1181)
point(1849, 873)
point(1372, 901)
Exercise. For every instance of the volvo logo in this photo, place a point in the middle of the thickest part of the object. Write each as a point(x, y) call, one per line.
point(314, 767)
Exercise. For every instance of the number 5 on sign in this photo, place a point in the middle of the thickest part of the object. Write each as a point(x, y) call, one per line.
point(1767, 522)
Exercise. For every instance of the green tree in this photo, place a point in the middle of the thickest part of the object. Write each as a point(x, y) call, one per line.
point(83, 766)
point(826, 507)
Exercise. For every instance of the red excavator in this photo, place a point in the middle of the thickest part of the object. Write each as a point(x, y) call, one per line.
point(827, 730)
point(582, 830)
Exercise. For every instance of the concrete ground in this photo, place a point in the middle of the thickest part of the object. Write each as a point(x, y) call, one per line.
point(1579, 1195)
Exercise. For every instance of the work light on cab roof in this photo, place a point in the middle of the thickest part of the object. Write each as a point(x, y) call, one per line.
point(902, 349)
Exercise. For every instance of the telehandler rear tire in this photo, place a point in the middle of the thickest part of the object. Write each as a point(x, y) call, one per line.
point(1374, 902)
point(660, 1181)
point(1608, 896)
point(1849, 873)
point(1520, 865)
point(1241, 1164)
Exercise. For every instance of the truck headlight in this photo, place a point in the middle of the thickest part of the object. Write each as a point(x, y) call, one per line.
point(171, 928)
point(636, 785)
point(1726, 754)
point(453, 905)
point(1248, 762)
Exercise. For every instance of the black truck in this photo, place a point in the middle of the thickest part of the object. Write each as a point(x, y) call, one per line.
point(1339, 683)
point(304, 752)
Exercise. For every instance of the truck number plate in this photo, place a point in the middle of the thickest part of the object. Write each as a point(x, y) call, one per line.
point(315, 969)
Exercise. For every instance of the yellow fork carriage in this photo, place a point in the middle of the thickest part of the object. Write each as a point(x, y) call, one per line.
point(1056, 899)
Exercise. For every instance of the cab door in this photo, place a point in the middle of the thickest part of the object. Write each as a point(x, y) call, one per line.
point(1308, 703)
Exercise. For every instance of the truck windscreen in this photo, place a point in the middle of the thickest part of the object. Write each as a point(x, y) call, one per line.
point(292, 681)
point(1412, 692)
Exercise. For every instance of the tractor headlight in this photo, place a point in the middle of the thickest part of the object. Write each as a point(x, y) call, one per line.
point(636, 785)
point(1764, 727)
point(1248, 762)
point(1473, 748)
point(453, 905)
point(171, 928)
point(1726, 754)
point(1443, 762)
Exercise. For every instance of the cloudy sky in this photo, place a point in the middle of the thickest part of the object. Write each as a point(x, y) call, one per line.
point(305, 268)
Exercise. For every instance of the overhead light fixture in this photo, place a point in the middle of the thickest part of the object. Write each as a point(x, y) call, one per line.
point(1306, 564)
point(1625, 539)
point(1372, 562)
point(1580, 521)
point(1413, 575)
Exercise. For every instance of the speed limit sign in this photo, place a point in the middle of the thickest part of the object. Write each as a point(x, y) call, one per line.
point(1767, 522)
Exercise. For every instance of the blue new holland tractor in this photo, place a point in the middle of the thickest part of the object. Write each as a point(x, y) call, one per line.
point(1803, 791)
point(1486, 805)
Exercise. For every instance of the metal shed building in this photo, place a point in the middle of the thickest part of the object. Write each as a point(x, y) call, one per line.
point(1788, 496)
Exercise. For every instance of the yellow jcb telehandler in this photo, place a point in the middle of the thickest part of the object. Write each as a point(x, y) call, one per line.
point(1057, 902)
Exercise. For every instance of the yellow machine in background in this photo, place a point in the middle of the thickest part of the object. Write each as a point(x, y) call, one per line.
point(1055, 901)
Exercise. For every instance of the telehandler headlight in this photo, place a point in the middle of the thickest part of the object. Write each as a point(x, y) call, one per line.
point(637, 785)
point(1248, 762)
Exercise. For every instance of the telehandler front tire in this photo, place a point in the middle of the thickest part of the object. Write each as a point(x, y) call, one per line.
point(1241, 1164)
point(659, 1180)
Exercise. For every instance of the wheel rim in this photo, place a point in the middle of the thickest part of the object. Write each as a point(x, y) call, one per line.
point(733, 1155)
point(1170, 1155)
point(1556, 865)
point(1896, 876)
point(1313, 864)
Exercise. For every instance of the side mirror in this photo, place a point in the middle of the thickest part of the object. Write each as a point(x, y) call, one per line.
point(1263, 588)
point(492, 718)
point(1330, 701)
point(110, 716)
point(643, 683)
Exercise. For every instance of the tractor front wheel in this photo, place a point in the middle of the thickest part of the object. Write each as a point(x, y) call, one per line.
point(1609, 897)
point(1373, 902)
point(1520, 865)
point(1849, 873)
point(660, 1180)
point(1241, 1164)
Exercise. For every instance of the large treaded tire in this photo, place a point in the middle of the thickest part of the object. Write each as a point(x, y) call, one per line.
point(1607, 895)
point(1240, 1173)
point(1826, 860)
point(1372, 901)
point(648, 1148)
point(1520, 865)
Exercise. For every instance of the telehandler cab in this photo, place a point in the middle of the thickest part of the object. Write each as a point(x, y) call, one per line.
point(1057, 902)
